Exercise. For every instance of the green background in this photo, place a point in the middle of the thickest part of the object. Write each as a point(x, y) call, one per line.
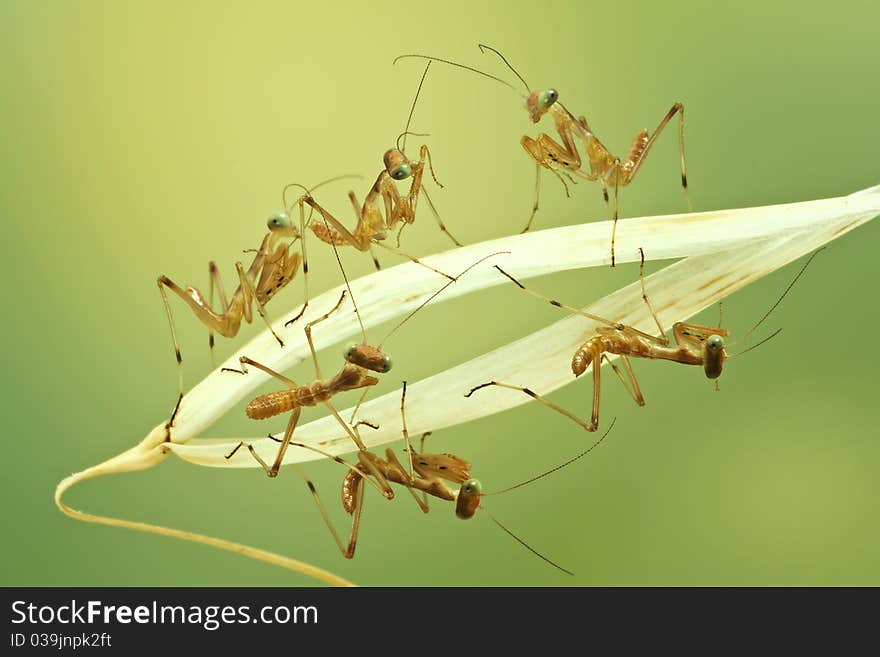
point(148, 138)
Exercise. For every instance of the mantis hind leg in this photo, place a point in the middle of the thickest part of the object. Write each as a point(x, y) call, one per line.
point(409, 449)
point(308, 331)
point(305, 266)
point(642, 144)
point(204, 314)
point(162, 282)
point(662, 339)
point(250, 294)
point(358, 494)
point(425, 154)
point(437, 218)
point(215, 280)
point(271, 470)
point(537, 195)
point(616, 211)
point(629, 381)
point(412, 259)
point(589, 426)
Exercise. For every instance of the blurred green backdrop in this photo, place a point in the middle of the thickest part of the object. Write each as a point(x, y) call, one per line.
point(148, 138)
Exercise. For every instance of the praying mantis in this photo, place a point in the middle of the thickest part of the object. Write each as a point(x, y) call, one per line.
point(694, 344)
point(427, 474)
point(360, 360)
point(384, 208)
point(273, 267)
point(564, 159)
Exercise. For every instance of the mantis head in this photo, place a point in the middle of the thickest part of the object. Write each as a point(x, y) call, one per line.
point(713, 356)
point(468, 499)
point(368, 357)
point(397, 164)
point(538, 102)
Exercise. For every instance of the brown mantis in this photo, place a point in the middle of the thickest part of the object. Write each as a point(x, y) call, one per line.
point(427, 474)
point(275, 264)
point(360, 360)
point(695, 344)
point(384, 207)
point(602, 165)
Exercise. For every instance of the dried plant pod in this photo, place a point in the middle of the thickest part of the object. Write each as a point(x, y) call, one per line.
point(721, 252)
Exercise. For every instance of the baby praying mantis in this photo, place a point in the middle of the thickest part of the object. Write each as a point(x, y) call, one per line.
point(275, 264)
point(360, 360)
point(425, 475)
point(603, 166)
point(384, 207)
point(698, 345)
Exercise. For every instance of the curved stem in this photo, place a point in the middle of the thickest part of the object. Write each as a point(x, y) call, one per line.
point(151, 451)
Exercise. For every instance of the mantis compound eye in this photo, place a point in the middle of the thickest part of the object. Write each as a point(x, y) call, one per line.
point(472, 487)
point(401, 172)
point(279, 221)
point(547, 97)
